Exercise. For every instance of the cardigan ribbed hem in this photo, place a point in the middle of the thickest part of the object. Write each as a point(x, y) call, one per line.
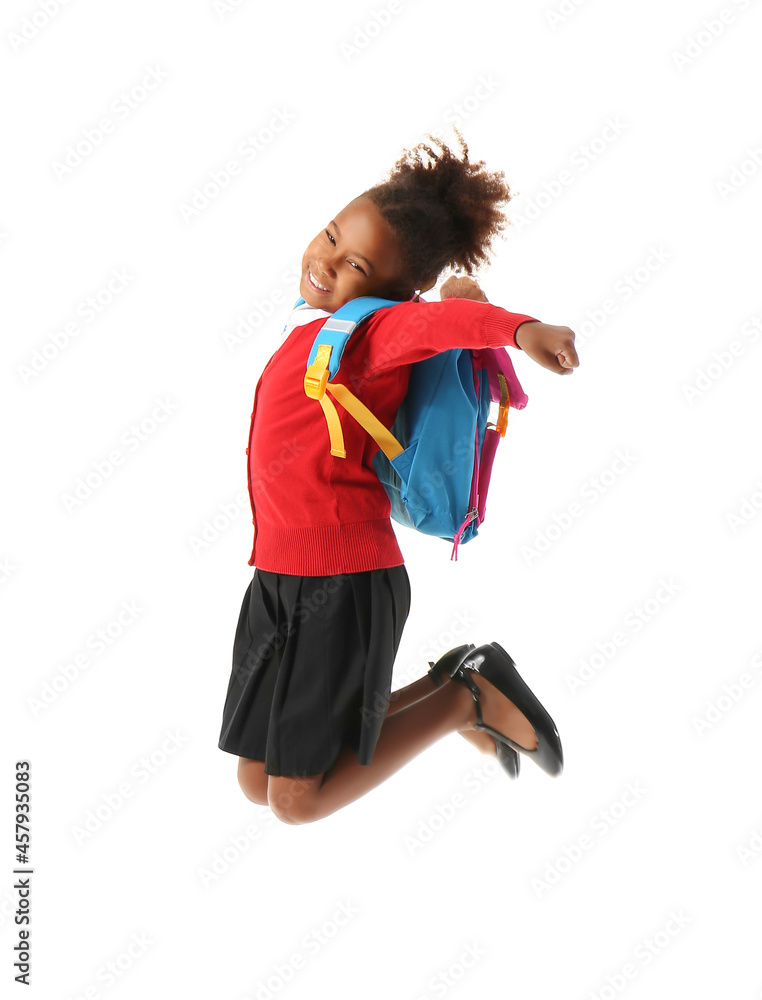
point(326, 550)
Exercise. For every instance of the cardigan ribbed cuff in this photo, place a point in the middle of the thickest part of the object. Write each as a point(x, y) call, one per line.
point(500, 326)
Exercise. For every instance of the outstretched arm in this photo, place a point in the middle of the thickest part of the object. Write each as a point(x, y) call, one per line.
point(548, 345)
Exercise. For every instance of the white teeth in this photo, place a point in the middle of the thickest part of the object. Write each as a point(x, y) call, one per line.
point(316, 282)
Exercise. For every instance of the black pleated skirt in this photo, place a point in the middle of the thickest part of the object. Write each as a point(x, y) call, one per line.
point(312, 667)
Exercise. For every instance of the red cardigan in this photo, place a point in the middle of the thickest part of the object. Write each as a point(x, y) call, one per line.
point(318, 515)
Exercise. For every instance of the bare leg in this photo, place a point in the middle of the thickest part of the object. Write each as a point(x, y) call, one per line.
point(252, 779)
point(422, 688)
point(255, 783)
point(403, 736)
point(408, 695)
point(251, 773)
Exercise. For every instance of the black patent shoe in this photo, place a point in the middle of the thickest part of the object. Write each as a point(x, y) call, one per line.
point(507, 757)
point(450, 664)
point(495, 665)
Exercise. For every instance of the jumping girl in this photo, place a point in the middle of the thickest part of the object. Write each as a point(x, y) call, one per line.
point(309, 708)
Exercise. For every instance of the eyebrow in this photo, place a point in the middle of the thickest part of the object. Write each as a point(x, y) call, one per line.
point(333, 223)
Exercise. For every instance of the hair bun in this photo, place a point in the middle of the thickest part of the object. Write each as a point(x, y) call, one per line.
point(445, 210)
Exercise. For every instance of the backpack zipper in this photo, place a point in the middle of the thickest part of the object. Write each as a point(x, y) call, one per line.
point(472, 513)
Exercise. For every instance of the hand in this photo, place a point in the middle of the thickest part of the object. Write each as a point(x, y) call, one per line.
point(461, 288)
point(550, 346)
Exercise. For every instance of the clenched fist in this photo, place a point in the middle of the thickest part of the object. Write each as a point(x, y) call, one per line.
point(548, 345)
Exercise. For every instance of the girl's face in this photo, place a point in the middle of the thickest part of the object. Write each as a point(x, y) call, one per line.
point(354, 255)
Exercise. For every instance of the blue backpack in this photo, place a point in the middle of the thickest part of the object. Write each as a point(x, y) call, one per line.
point(436, 460)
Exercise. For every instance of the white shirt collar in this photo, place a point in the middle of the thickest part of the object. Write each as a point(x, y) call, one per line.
point(302, 314)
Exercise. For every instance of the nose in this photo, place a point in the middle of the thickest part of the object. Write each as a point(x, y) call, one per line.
point(324, 266)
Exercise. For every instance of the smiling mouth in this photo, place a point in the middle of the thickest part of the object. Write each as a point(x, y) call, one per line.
point(314, 283)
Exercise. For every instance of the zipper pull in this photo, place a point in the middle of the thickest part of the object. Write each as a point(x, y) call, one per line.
point(473, 512)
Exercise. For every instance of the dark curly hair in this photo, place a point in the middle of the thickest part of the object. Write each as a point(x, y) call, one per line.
point(445, 213)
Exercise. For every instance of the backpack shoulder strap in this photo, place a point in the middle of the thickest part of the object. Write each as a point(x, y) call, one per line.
point(323, 364)
point(337, 329)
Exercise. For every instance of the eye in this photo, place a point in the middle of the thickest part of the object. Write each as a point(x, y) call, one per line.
point(354, 265)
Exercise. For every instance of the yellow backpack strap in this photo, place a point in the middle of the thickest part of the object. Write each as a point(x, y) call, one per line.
point(315, 384)
point(505, 402)
point(384, 438)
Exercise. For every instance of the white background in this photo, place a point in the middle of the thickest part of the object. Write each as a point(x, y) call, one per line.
point(564, 887)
